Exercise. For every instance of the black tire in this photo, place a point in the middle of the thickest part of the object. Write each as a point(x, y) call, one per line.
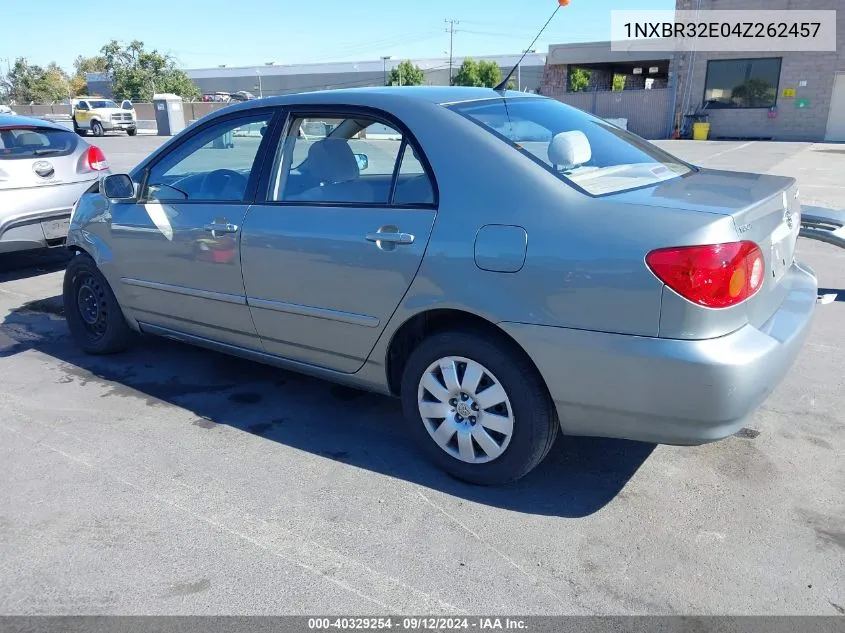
point(103, 329)
point(97, 128)
point(535, 419)
point(132, 131)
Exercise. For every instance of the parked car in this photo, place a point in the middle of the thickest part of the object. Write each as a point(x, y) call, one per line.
point(98, 116)
point(581, 280)
point(44, 169)
point(4, 109)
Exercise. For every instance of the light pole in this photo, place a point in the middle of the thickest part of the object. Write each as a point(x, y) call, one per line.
point(384, 59)
point(260, 89)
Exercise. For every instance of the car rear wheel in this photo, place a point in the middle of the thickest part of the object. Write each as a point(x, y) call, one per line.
point(97, 128)
point(93, 315)
point(477, 407)
point(132, 131)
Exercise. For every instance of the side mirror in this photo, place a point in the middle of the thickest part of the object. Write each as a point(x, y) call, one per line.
point(363, 161)
point(118, 187)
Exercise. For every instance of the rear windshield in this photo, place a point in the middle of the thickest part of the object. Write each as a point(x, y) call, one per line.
point(101, 103)
point(595, 156)
point(31, 141)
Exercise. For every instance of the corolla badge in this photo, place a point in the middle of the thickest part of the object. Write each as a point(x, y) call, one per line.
point(43, 168)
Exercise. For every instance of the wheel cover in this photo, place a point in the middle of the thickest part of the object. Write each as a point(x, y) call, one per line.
point(465, 409)
point(91, 305)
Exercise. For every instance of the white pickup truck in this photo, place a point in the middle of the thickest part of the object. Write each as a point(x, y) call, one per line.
point(98, 116)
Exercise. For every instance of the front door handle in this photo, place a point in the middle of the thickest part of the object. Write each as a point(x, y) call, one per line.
point(391, 238)
point(221, 227)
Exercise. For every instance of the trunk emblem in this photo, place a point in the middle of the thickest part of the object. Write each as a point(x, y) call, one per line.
point(43, 168)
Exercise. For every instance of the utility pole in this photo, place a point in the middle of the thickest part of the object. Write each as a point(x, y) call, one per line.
point(384, 59)
point(451, 31)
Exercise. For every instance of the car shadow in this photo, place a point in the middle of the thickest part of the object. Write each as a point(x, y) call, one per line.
point(27, 264)
point(364, 430)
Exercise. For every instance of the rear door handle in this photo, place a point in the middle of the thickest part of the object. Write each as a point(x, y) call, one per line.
point(221, 227)
point(391, 238)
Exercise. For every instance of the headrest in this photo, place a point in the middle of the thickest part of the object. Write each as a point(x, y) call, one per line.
point(29, 138)
point(569, 149)
point(332, 160)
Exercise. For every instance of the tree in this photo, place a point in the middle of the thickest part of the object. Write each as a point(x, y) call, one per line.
point(81, 67)
point(479, 74)
point(31, 83)
point(138, 74)
point(489, 73)
point(618, 82)
point(579, 79)
point(467, 74)
point(406, 74)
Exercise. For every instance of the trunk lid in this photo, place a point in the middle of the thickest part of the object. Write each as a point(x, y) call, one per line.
point(764, 209)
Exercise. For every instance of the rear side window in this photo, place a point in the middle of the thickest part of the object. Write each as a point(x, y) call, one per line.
point(586, 151)
point(18, 142)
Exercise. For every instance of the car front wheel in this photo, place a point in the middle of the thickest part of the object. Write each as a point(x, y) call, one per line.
point(477, 407)
point(93, 315)
point(132, 131)
point(97, 128)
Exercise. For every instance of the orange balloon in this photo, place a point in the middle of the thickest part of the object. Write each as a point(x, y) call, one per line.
point(563, 3)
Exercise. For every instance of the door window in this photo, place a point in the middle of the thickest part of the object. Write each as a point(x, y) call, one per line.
point(347, 160)
point(213, 165)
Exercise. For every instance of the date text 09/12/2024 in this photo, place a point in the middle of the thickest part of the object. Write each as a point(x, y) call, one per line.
point(416, 623)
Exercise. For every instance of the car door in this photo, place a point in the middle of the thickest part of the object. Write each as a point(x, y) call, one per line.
point(82, 114)
point(177, 248)
point(329, 254)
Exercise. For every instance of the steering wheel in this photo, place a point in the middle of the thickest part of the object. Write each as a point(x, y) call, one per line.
point(218, 181)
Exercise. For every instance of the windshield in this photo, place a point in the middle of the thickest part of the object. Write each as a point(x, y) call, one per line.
point(26, 141)
point(596, 156)
point(102, 103)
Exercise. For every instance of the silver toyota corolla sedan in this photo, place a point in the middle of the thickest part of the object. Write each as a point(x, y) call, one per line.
point(509, 266)
point(44, 169)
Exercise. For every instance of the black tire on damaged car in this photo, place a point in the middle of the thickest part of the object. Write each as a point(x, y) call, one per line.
point(93, 315)
point(535, 426)
point(132, 131)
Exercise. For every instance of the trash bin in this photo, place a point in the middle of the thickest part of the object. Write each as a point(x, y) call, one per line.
point(170, 117)
point(224, 141)
point(700, 131)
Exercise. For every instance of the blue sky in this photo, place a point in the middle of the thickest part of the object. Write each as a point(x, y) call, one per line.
point(248, 32)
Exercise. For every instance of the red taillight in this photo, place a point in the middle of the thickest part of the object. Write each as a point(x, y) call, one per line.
point(95, 160)
point(714, 275)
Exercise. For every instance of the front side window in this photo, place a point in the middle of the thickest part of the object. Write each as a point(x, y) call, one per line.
point(742, 83)
point(346, 160)
point(214, 164)
point(586, 151)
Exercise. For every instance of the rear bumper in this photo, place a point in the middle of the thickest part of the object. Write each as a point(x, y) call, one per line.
point(669, 391)
point(34, 218)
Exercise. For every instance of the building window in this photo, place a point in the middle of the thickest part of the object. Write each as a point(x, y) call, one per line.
point(742, 83)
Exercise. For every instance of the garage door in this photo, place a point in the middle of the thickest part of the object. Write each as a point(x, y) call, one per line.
point(836, 120)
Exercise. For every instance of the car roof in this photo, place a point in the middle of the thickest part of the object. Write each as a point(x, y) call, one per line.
point(16, 120)
point(432, 94)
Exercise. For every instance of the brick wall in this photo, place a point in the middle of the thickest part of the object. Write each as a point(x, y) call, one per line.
point(555, 79)
point(817, 69)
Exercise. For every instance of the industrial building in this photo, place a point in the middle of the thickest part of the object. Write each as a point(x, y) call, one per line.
point(276, 79)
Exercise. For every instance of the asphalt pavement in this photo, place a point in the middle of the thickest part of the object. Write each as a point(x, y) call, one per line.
point(172, 480)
